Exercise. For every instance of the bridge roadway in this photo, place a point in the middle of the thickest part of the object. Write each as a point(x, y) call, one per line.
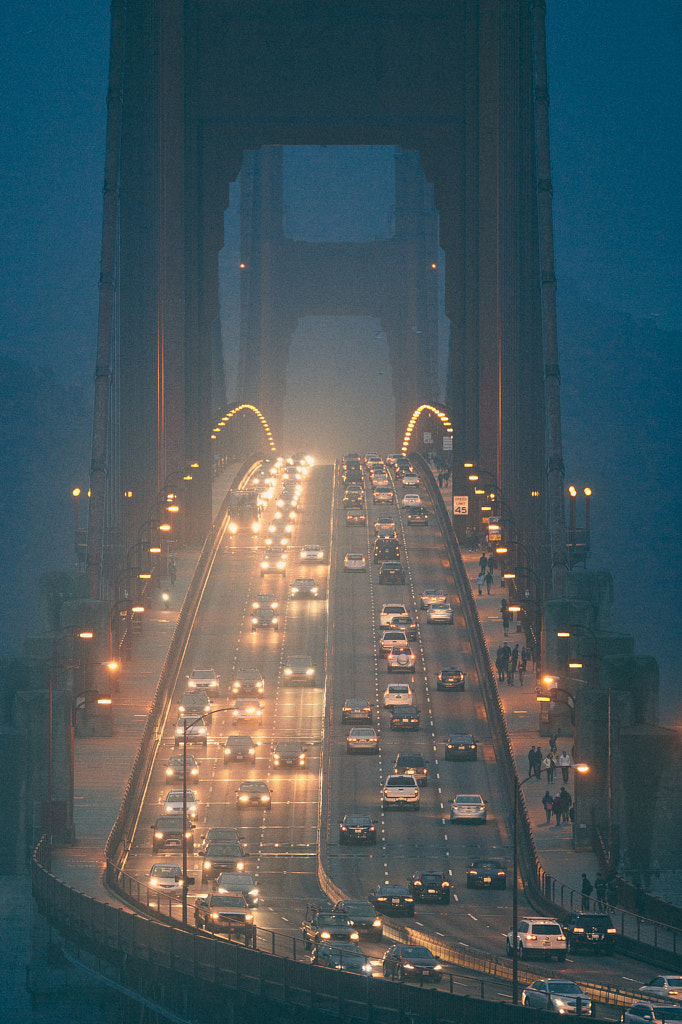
point(339, 631)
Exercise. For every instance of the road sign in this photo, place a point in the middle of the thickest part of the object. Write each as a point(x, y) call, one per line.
point(428, 438)
point(460, 504)
point(447, 443)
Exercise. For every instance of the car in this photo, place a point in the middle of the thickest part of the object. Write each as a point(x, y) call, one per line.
point(391, 572)
point(408, 626)
point(651, 1013)
point(410, 500)
point(396, 694)
point(353, 498)
point(239, 748)
point(391, 638)
point(468, 807)
point(219, 834)
point(557, 994)
point(594, 933)
point(388, 613)
point(221, 857)
point(386, 549)
point(430, 886)
point(274, 561)
point(415, 764)
point(175, 800)
point(165, 877)
point(299, 668)
point(440, 612)
point(362, 741)
point(362, 916)
point(304, 587)
point(311, 553)
point(323, 925)
point(289, 754)
point(168, 832)
point(178, 764)
point(190, 729)
point(486, 874)
point(537, 937)
point(341, 956)
point(357, 828)
point(356, 519)
point(411, 963)
point(356, 709)
point(249, 682)
point(431, 595)
point(400, 791)
point(224, 912)
point(384, 523)
point(388, 898)
point(239, 881)
point(401, 658)
point(417, 517)
point(204, 679)
point(354, 562)
point(405, 716)
point(254, 793)
point(665, 986)
point(194, 702)
point(247, 709)
point(461, 746)
point(383, 495)
point(264, 601)
point(450, 679)
point(264, 618)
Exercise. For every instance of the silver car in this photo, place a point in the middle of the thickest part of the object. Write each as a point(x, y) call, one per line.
point(468, 807)
point(362, 741)
point(440, 611)
point(559, 995)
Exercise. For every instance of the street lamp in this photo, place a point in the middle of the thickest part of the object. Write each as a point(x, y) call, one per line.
point(515, 885)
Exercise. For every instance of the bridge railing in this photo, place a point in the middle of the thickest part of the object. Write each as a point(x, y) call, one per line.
point(548, 894)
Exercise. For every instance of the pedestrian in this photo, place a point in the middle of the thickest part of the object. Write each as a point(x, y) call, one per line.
point(489, 580)
point(549, 768)
point(483, 563)
point(503, 606)
point(586, 890)
point(499, 665)
point(600, 889)
point(538, 763)
point(492, 564)
point(172, 568)
point(566, 801)
point(440, 479)
point(553, 736)
point(547, 803)
point(556, 809)
point(524, 657)
point(480, 579)
point(505, 622)
point(515, 658)
point(506, 653)
point(531, 761)
point(564, 764)
point(522, 669)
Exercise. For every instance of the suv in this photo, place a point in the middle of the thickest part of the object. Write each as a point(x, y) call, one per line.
point(221, 857)
point(400, 791)
point(247, 683)
point(289, 754)
point(429, 886)
point(388, 613)
point(412, 764)
point(224, 912)
point(450, 679)
point(538, 936)
point(392, 899)
point(168, 833)
point(386, 549)
point(391, 572)
point(204, 679)
point(391, 638)
point(323, 925)
point(239, 748)
point(274, 561)
point(192, 729)
point(593, 932)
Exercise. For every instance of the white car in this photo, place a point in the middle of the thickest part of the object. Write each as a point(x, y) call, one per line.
point(193, 728)
point(391, 638)
point(174, 801)
point(557, 994)
point(468, 807)
point(354, 562)
point(204, 679)
point(397, 694)
point(410, 500)
point(440, 611)
point(388, 611)
point(400, 791)
point(537, 937)
point(410, 480)
point(165, 877)
point(431, 596)
point(665, 986)
point(311, 553)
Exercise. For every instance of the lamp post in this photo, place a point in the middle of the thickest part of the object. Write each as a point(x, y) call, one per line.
point(131, 608)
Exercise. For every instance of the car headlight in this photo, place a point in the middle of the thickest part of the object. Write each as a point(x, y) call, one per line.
point(310, 671)
point(287, 671)
point(325, 935)
point(158, 835)
point(169, 771)
point(367, 968)
point(438, 967)
point(354, 937)
point(265, 799)
point(207, 865)
point(377, 923)
point(254, 621)
point(243, 798)
point(153, 882)
point(408, 967)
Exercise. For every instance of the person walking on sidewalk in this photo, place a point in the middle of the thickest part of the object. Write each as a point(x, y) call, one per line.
point(538, 763)
point(506, 655)
point(499, 665)
point(480, 579)
point(564, 764)
point(492, 564)
point(483, 563)
point(556, 809)
point(586, 891)
point(514, 659)
point(566, 801)
point(548, 766)
point(531, 761)
point(489, 579)
point(547, 803)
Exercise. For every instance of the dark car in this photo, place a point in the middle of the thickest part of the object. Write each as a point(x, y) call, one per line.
point(412, 764)
point(451, 679)
point(168, 833)
point(325, 925)
point(405, 717)
point(254, 793)
point(356, 709)
point(341, 956)
point(221, 857)
point(249, 682)
point(224, 912)
point(391, 572)
point(177, 763)
point(357, 828)
point(486, 874)
point(362, 916)
point(289, 754)
point(354, 498)
point(461, 746)
point(386, 549)
point(239, 881)
point(239, 748)
point(219, 834)
point(418, 517)
point(430, 886)
point(408, 626)
point(594, 933)
point(264, 618)
point(304, 586)
point(408, 963)
point(392, 899)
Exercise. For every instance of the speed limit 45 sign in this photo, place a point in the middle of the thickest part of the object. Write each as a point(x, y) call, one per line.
point(460, 505)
